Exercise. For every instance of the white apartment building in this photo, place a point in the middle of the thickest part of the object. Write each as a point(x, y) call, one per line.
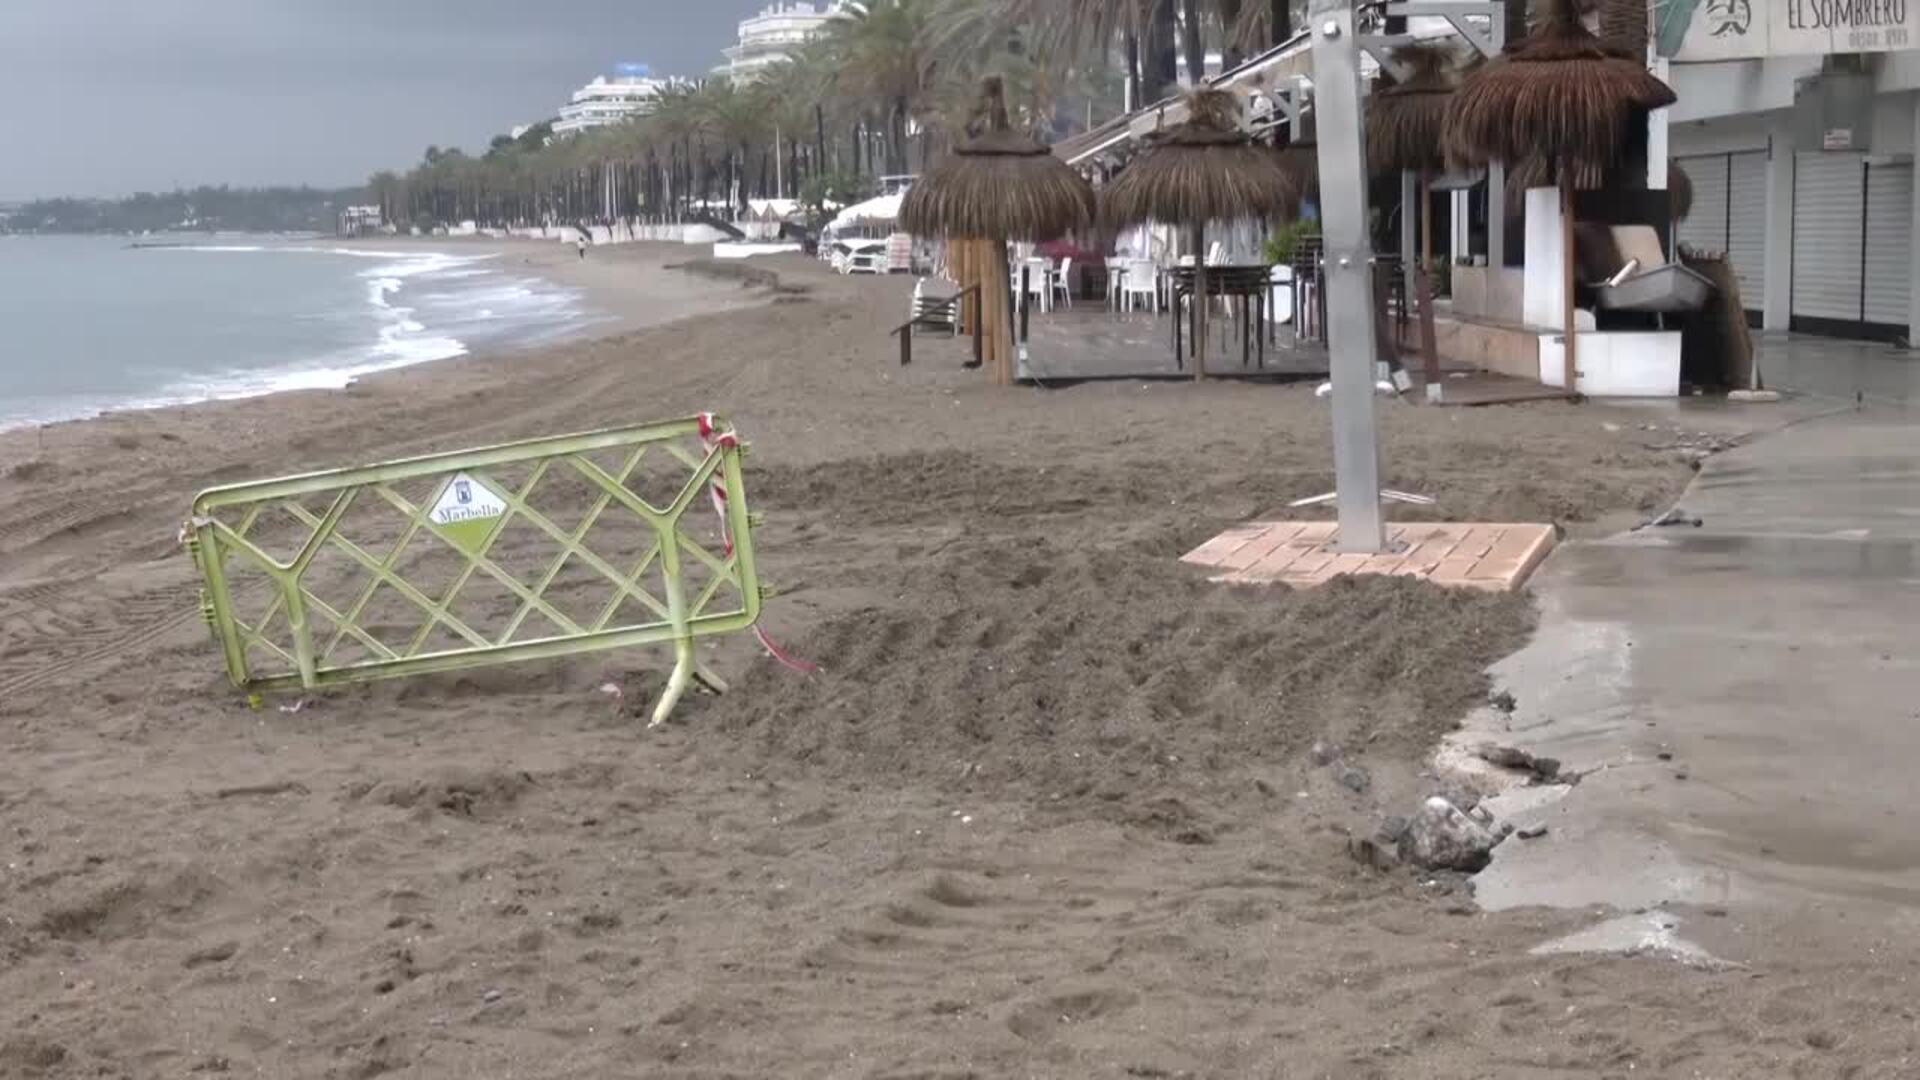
point(607, 100)
point(773, 35)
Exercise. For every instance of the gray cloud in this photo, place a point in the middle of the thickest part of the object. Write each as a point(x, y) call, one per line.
point(101, 97)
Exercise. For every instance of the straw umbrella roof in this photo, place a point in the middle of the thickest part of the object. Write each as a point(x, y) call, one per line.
point(1300, 160)
point(1202, 170)
point(1405, 120)
point(999, 184)
point(1561, 95)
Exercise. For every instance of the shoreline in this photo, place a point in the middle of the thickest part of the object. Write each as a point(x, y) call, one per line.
point(622, 289)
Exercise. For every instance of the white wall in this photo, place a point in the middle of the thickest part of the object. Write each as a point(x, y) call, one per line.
point(1892, 129)
point(1734, 98)
point(1724, 135)
point(1736, 87)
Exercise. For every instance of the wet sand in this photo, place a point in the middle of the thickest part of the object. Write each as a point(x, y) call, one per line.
point(1047, 811)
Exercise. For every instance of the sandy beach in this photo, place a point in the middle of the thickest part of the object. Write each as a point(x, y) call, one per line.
point(1048, 810)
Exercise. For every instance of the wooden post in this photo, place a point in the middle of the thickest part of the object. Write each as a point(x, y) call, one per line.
point(1426, 217)
point(1199, 302)
point(960, 261)
point(1566, 278)
point(996, 324)
point(1423, 283)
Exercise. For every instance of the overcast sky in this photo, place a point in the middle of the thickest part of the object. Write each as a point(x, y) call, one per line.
point(106, 97)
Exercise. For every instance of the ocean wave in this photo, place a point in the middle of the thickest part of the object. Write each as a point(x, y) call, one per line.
point(422, 306)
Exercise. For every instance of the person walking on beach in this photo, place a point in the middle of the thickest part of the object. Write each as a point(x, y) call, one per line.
point(580, 245)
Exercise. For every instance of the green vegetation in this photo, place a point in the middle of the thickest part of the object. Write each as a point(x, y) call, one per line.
point(820, 194)
point(1281, 245)
point(207, 209)
point(881, 92)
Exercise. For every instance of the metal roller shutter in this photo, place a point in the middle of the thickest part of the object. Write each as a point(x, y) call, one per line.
point(1889, 236)
point(1747, 224)
point(1705, 226)
point(1829, 212)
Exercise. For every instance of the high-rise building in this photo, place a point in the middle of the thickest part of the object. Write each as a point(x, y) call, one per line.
point(630, 92)
point(773, 35)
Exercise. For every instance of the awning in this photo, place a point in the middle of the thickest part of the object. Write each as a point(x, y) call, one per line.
point(881, 210)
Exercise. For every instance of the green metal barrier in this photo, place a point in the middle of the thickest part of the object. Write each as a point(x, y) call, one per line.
point(522, 551)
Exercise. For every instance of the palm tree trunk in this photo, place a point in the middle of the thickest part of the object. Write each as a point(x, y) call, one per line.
point(1280, 20)
point(820, 135)
point(1130, 48)
point(897, 132)
point(1191, 42)
point(1230, 19)
point(1516, 18)
point(1163, 54)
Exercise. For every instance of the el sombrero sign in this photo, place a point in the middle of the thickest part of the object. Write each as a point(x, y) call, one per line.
point(1708, 30)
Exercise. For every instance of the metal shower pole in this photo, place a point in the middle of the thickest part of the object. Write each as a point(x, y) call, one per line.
point(1349, 256)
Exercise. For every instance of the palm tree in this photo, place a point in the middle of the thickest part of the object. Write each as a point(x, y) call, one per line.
point(1145, 31)
point(676, 122)
point(888, 68)
point(792, 93)
point(737, 117)
point(1262, 24)
point(389, 191)
point(881, 58)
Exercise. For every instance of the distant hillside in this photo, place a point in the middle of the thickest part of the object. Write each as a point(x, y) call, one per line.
point(210, 209)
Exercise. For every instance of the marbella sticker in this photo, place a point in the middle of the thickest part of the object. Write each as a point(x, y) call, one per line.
point(466, 513)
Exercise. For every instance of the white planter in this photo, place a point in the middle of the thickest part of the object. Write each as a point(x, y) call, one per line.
point(1616, 363)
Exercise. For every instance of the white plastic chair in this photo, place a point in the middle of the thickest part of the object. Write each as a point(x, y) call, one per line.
point(1061, 281)
point(1116, 280)
point(931, 312)
point(1039, 281)
point(1280, 294)
point(1140, 278)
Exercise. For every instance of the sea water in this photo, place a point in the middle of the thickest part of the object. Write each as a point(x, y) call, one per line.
point(95, 323)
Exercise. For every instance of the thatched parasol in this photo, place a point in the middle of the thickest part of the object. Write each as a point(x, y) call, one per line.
point(1300, 160)
point(1561, 96)
point(1404, 125)
point(1405, 121)
point(1203, 170)
point(997, 186)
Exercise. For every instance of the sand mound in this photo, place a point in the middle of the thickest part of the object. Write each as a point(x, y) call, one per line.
point(26, 1055)
point(129, 905)
point(1117, 680)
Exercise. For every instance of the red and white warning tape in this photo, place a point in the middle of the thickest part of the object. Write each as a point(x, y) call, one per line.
point(717, 490)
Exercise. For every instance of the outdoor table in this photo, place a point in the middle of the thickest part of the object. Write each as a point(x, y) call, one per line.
point(1244, 285)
